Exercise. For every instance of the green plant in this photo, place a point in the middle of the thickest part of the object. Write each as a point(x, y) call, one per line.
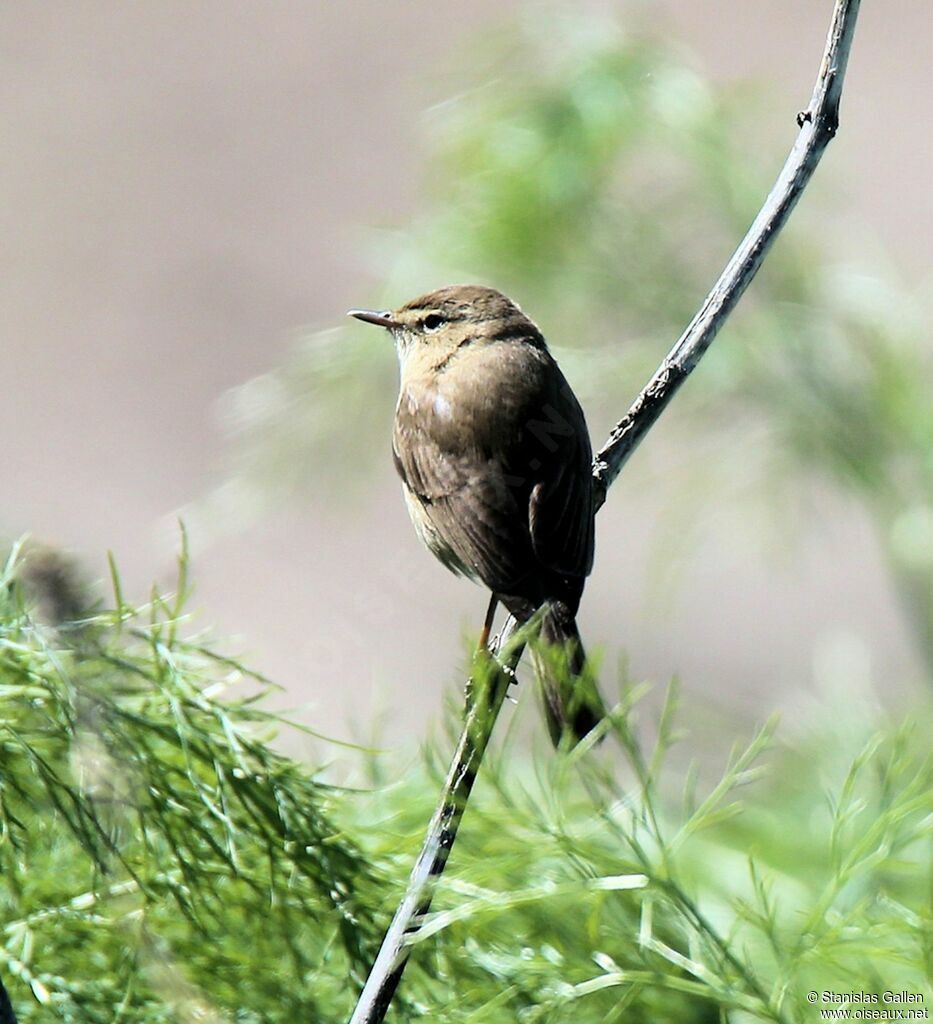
point(161, 862)
point(146, 823)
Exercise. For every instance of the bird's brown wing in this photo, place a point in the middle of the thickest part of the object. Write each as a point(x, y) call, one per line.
point(504, 481)
point(474, 514)
point(560, 510)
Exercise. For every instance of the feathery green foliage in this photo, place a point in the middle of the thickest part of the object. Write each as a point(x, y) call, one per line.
point(161, 862)
point(149, 834)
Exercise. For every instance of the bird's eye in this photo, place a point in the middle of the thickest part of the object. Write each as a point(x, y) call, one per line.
point(432, 321)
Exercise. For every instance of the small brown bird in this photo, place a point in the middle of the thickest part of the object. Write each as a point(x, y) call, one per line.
point(495, 460)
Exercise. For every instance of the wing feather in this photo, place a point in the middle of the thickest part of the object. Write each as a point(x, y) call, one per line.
point(502, 483)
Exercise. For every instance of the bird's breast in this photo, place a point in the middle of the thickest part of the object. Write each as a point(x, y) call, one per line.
point(483, 398)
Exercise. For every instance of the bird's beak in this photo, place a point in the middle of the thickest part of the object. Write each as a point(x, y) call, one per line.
point(372, 316)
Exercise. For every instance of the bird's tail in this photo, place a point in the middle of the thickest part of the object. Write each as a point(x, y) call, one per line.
point(572, 704)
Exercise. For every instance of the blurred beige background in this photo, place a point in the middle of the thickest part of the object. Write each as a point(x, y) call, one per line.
point(184, 185)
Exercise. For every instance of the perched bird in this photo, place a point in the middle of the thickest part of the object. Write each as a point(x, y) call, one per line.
point(495, 460)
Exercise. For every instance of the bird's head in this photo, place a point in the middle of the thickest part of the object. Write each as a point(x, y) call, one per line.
point(451, 318)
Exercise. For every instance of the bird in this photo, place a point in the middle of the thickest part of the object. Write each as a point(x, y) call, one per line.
point(495, 461)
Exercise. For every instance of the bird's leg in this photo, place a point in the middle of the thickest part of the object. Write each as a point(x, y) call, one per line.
point(482, 651)
point(487, 624)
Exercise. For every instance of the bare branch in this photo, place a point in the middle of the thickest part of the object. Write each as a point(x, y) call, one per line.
point(482, 709)
point(818, 124)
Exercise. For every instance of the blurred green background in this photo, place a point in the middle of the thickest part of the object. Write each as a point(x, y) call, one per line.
point(193, 183)
point(186, 187)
